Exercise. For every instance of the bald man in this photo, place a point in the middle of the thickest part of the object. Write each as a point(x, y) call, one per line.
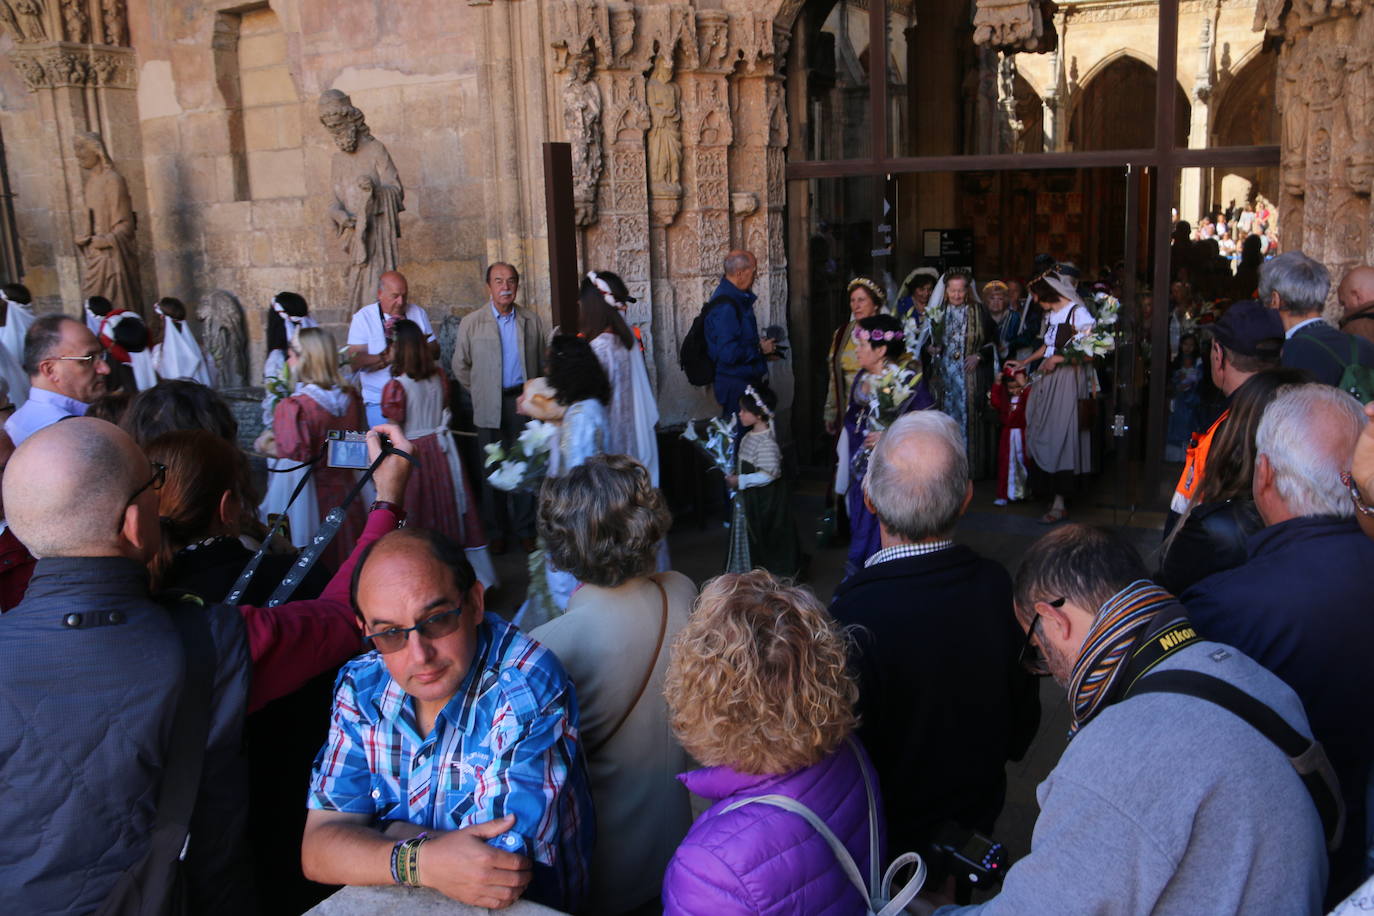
point(100, 725)
point(1356, 295)
point(369, 338)
point(935, 646)
point(732, 332)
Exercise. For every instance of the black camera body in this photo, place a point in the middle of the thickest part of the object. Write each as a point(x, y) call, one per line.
point(973, 859)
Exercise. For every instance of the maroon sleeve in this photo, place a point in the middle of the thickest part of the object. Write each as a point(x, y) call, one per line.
point(294, 642)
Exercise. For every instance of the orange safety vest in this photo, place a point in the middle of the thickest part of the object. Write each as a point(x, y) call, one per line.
point(1194, 465)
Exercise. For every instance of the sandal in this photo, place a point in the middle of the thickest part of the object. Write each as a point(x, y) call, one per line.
point(1054, 516)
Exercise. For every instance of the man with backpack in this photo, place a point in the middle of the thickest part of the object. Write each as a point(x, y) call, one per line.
point(731, 333)
point(1297, 286)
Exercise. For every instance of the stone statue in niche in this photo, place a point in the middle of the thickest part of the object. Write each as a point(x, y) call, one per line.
point(1013, 25)
point(76, 20)
point(368, 197)
point(30, 13)
point(108, 245)
point(1359, 88)
point(114, 16)
point(582, 121)
point(225, 338)
point(11, 23)
point(665, 129)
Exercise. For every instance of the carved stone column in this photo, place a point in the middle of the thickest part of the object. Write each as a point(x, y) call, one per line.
point(1193, 188)
point(1326, 86)
point(72, 56)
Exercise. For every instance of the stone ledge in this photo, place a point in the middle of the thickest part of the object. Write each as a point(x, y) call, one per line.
point(385, 901)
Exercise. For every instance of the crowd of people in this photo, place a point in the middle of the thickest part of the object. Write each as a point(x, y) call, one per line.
point(181, 674)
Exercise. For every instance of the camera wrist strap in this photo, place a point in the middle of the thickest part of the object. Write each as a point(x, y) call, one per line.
point(328, 528)
point(246, 577)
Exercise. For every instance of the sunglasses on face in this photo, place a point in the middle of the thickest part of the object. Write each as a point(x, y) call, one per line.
point(393, 639)
point(1032, 659)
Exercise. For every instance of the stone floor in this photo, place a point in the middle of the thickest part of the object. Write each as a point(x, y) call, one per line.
point(698, 550)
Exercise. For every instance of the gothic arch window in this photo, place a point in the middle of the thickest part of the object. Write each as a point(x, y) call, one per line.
point(1112, 105)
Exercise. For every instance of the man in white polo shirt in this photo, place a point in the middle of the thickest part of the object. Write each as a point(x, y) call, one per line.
point(369, 339)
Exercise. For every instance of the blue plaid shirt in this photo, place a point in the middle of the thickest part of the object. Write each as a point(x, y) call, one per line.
point(507, 743)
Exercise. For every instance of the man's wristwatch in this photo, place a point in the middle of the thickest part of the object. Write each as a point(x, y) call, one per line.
point(391, 507)
point(1356, 497)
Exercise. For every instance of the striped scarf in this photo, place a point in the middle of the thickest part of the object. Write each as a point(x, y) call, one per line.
point(1118, 626)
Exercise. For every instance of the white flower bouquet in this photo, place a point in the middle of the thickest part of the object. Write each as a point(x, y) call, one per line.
point(524, 466)
point(718, 444)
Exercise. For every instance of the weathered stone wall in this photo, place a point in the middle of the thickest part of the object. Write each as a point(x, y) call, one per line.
point(1326, 99)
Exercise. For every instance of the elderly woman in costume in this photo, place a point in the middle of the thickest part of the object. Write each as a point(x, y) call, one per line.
point(886, 387)
point(912, 301)
point(962, 349)
point(1054, 441)
point(1006, 319)
point(866, 299)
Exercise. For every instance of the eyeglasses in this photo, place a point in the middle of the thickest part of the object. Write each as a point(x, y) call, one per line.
point(154, 483)
point(1031, 658)
point(86, 360)
point(393, 639)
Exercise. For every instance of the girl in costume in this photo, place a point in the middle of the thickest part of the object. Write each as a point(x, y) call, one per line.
point(438, 496)
point(763, 534)
point(177, 354)
point(1008, 397)
point(288, 315)
point(633, 411)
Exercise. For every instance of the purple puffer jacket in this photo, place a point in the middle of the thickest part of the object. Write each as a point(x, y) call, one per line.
point(761, 859)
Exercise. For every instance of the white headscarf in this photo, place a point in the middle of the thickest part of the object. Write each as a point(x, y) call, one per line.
point(179, 356)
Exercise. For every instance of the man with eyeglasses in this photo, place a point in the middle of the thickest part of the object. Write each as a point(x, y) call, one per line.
point(66, 374)
point(1165, 801)
point(453, 759)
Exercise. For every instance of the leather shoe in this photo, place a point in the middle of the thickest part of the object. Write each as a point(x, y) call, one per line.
point(527, 545)
point(497, 546)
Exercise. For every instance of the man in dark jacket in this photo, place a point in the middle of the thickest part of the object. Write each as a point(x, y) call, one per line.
point(1300, 606)
point(1296, 286)
point(732, 332)
point(943, 702)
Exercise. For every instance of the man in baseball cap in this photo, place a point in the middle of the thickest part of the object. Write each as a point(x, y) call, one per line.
point(1248, 339)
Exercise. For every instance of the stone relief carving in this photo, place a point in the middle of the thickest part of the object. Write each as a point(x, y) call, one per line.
point(225, 337)
point(114, 16)
point(713, 37)
point(107, 243)
point(665, 128)
point(1359, 87)
point(76, 22)
point(713, 115)
point(1013, 25)
point(631, 117)
point(582, 121)
point(52, 67)
point(29, 16)
point(368, 197)
point(1203, 83)
point(622, 17)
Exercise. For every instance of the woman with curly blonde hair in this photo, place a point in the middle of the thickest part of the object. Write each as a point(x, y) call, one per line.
point(758, 691)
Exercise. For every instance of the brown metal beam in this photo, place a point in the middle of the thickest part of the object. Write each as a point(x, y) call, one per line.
point(877, 75)
point(562, 224)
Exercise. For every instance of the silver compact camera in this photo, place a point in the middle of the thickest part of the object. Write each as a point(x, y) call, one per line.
point(346, 449)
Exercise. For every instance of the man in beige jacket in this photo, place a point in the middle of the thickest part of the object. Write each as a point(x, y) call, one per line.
point(500, 347)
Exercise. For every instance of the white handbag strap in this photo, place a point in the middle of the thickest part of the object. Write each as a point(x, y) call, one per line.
point(876, 893)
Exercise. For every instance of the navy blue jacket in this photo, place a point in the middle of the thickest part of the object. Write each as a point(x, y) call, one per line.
point(943, 701)
point(1300, 606)
point(85, 721)
point(732, 341)
point(1313, 346)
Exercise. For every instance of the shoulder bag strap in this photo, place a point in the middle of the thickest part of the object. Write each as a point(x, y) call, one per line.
point(148, 889)
point(1307, 755)
point(648, 674)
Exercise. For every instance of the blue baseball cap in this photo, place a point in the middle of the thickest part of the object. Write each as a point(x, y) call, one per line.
point(1250, 328)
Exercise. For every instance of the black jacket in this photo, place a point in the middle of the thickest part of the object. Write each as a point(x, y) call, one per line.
point(1324, 351)
point(943, 702)
point(85, 722)
point(1212, 539)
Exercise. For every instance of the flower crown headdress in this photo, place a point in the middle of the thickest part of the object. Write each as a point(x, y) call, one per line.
point(752, 394)
point(604, 289)
point(877, 336)
point(876, 291)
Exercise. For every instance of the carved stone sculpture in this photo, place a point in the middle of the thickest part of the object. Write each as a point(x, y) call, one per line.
point(1012, 25)
point(368, 197)
point(30, 14)
point(108, 246)
point(582, 121)
point(665, 129)
point(76, 21)
point(115, 18)
point(225, 338)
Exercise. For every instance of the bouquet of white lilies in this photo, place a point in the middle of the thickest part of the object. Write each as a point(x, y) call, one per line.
point(524, 466)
